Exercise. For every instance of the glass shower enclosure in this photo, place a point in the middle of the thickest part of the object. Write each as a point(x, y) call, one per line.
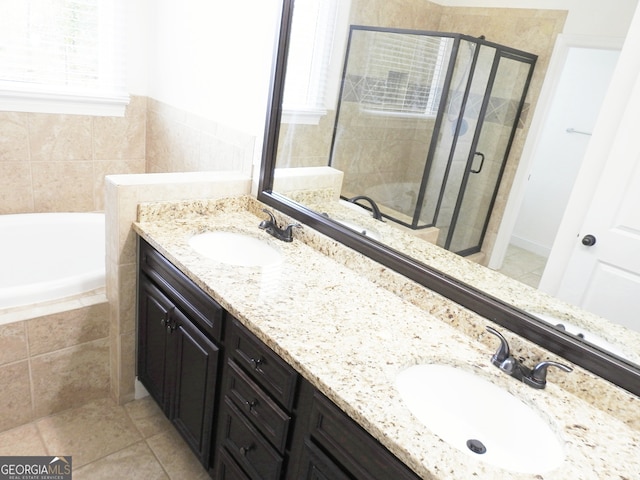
point(424, 126)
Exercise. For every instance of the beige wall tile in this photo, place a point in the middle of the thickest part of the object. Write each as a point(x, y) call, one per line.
point(16, 192)
point(13, 342)
point(63, 186)
point(103, 168)
point(60, 137)
point(121, 138)
point(70, 377)
point(14, 145)
point(16, 395)
point(66, 329)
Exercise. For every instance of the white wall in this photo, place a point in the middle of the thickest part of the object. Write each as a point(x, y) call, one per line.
point(213, 58)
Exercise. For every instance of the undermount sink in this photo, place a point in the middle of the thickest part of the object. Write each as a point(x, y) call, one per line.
point(567, 326)
point(480, 418)
point(367, 232)
point(235, 249)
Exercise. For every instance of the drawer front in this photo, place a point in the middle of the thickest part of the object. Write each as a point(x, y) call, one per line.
point(245, 444)
point(353, 447)
point(200, 307)
point(263, 365)
point(257, 406)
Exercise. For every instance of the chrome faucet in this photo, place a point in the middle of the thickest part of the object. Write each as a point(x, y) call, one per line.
point(271, 227)
point(535, 377)
point(375, 211)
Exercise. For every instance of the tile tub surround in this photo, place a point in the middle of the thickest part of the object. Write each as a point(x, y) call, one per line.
point(53, 362)
point(350, 337)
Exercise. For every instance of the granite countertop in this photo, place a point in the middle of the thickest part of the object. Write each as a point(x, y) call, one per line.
point(350, 337)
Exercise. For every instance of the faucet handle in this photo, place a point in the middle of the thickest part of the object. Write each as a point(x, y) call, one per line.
point(538, 377)
point(503, 352)
point(269, 222)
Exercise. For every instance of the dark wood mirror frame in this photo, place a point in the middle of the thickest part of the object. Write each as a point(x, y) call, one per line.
point(601, 363)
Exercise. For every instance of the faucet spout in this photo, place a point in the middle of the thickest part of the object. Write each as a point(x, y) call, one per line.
point(270, 226)
point(535, 377)
point(375, 210)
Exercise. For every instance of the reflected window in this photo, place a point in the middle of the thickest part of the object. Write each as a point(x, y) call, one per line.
point(310, 58)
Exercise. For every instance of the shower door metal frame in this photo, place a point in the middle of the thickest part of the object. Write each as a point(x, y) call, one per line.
point(501, 51)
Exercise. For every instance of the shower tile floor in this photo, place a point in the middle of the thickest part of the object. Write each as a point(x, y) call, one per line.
point(107, 441)
point(523, 265)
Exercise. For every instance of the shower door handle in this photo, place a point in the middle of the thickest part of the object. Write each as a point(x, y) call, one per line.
point(481, 155)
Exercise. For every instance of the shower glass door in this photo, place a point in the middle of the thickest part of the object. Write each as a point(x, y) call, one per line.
point(486, 162)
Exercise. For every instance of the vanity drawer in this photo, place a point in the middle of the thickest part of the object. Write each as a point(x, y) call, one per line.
point(245, 444)
point(199, 306)
point(257, 406)
point(353, 448)
point(263, 365)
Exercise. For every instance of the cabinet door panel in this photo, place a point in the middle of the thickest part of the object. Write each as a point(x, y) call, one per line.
point(153, 316)
point(315, 465)
point(196, 370)
point(351, 446)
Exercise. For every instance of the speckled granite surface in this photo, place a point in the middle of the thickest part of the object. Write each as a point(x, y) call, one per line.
point(350, 336)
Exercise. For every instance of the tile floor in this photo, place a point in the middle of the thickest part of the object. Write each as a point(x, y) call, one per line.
point(108, 441)
point(523, 265)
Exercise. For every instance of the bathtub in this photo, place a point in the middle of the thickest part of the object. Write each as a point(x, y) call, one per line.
point(46, 257)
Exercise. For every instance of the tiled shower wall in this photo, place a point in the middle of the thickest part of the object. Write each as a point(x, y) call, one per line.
point(57, 163)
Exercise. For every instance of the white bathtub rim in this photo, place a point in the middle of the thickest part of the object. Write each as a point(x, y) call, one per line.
point(74, 302)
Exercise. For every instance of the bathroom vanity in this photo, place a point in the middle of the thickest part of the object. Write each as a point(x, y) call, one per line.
point(271, 423)
point(288, 370)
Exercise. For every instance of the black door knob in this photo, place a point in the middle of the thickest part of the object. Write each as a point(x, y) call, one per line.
point(589, 240)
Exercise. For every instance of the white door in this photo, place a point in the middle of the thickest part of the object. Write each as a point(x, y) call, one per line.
point(605, 278)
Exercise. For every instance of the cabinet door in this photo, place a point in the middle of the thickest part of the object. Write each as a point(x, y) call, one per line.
point(315, 465)
point(154, 312)
point(196, 372)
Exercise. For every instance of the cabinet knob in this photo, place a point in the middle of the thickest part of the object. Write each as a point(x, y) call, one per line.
point(251, 404)
point(257, 362)
point(245, 450)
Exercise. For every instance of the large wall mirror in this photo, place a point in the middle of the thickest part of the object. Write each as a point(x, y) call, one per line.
point(397, 142)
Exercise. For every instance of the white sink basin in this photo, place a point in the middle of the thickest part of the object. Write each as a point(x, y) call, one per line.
point(235, 249)
point(367, 232)
point(590, 337)
point(479, 418)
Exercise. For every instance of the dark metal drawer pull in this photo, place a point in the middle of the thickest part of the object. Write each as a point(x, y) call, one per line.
point(257, 362)
point(251, 404)
point(245, 450)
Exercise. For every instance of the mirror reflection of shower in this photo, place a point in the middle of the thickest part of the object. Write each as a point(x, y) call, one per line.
point(424, 125)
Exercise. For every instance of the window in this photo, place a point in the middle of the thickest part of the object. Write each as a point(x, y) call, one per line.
point(62, 56)
point(404, 74)
point(315, 57)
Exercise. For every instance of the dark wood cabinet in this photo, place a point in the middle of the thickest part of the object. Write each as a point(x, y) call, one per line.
point(333, 446)
point(244, 411)
point(178, 359)
point(257, 408)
